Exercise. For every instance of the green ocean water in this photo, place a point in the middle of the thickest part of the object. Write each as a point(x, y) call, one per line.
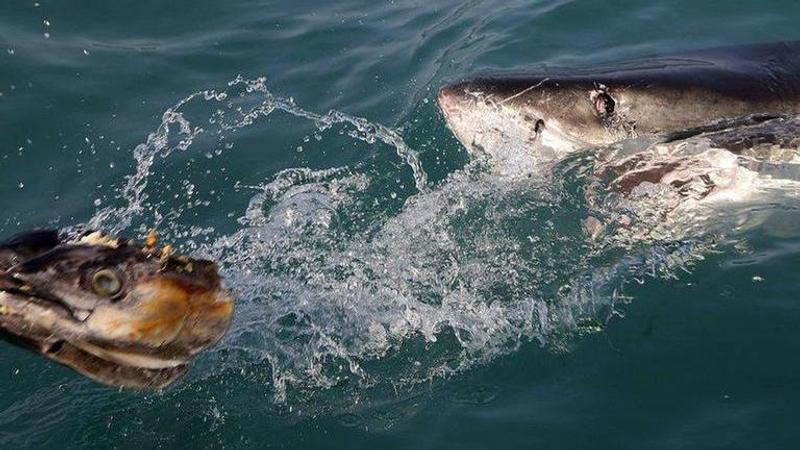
point(390, 294)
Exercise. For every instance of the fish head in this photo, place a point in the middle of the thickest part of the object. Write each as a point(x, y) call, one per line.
point(119, 313)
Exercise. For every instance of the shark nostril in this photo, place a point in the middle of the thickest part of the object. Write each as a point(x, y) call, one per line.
point(452, 97)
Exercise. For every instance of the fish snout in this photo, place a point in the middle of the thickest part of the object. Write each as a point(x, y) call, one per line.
point(165, 314)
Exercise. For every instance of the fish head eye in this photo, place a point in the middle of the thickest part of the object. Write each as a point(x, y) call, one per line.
point(538, 127)
point(106, 282)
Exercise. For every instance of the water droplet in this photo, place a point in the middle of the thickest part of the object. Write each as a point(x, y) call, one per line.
point(21, 185)
point(97, 202)
point(86, 52)
point(11, 51)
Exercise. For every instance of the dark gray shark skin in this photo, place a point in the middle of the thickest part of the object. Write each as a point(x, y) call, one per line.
point(577, 108)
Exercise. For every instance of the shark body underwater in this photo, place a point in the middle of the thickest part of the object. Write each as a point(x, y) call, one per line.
point(124, 315)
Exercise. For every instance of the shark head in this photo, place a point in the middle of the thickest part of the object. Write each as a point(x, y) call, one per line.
point(493, 114)
point(552, 113)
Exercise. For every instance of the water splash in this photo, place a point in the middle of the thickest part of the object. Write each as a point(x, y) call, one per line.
point(240, 105)
point(340, 292)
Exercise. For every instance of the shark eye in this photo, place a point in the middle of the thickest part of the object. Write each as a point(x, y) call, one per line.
point(604, 104)
point(106, 282)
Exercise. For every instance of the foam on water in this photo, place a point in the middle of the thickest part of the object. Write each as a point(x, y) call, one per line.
point(336, 291)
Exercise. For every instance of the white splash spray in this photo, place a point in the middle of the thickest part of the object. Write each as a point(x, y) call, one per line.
point(336, 290)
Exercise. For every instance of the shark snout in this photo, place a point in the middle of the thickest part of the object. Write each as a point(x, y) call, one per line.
point(449, 98)
point(459, 112)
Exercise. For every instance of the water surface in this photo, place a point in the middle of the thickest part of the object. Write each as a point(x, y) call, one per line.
point(393, 293)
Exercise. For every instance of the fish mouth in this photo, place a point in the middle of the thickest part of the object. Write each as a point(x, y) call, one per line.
point(105, 365)
point(99, 362)
point(50, 328)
